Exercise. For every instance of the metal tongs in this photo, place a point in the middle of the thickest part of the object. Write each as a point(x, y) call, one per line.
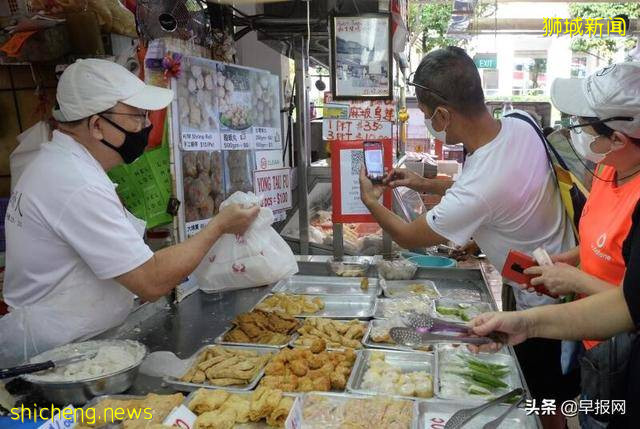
point(420, 327)
point(462, 417)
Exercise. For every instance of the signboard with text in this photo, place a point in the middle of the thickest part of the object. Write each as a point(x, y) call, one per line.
point(358, 120)
point(274, 187)
point(347, 157)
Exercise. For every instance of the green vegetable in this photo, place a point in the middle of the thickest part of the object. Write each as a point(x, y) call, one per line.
point(468, 358)
point(474, 389)
point(490, 380)
point(493, 372)
point(447, 311)
point(457, 312)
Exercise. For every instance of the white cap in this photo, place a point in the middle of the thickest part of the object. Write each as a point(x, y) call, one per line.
point(609, 92)
point(92, 86)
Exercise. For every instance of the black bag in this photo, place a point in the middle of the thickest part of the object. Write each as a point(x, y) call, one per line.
point(604, 369)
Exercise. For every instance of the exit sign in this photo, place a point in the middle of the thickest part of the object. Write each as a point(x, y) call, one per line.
point(487, 61)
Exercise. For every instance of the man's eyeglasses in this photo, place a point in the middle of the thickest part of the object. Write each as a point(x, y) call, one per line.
point(142, 117)
point(411, 82)
point(576, 124)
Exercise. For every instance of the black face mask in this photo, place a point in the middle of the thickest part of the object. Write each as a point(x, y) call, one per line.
point(134, 142)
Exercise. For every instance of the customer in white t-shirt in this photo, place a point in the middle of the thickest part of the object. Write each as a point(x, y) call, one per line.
point(75, 256)
point(505, 197)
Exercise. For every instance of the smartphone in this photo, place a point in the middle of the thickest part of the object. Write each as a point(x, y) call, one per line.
point(373, 160)
point(514, 268)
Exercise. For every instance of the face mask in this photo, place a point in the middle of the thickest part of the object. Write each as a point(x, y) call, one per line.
point(134, 142)
point(582, 142)
point(440, 135)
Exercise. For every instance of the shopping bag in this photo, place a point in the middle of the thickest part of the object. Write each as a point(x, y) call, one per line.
point(257, 258)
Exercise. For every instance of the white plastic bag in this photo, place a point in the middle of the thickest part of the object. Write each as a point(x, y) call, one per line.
point(257, 258)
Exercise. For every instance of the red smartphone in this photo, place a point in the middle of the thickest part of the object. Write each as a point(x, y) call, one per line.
point(374, 160)
point(514, 268)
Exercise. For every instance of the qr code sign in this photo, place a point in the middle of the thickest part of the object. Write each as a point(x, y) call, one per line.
point(357, 158)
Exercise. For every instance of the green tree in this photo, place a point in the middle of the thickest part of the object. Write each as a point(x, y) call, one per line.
point(428, 23)
point(603, 47)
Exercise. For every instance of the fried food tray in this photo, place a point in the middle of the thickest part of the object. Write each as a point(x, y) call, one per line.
point(250, 425)
point(344, 397)
point(324, 285)
point(293, 344)
point(340, 306)
point(404, 361)
point(220, 340)
point(182, 386)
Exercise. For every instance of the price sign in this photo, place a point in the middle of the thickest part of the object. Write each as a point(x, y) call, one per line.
point(200, 141)
point(358, 120)
point(181, 417)
point(267, 138)
point(274, 186)
point(237, 140)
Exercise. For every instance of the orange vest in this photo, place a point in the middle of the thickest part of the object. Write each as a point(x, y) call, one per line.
point(604, 225)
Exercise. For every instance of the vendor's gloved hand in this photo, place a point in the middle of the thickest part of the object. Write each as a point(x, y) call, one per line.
point(559, 279)
point(513, 325)
point(235, 219)
point(370, 193)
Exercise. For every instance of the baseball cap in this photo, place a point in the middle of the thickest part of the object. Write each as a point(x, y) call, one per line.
point(609, 92)
point(91, 86)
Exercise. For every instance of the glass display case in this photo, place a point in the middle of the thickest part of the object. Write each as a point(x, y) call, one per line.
point(359, 239)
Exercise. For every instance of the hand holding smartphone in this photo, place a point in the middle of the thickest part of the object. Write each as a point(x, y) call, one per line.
point(374, 160)
point(514, 267)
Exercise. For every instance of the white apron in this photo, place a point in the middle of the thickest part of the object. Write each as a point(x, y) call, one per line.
point(75, 309)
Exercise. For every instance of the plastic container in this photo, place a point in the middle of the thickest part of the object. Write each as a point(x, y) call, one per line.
point(433, 262)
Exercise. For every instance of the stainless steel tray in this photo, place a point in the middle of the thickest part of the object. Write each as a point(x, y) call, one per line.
point(293, 344)
point(474, 309)
point(398, 288)
point(435, 414)
point(320, 285)
point(376, 323)
point(384, 306)
point(443, 353)
point(250, 425)
point(343, 397)
point(341, 307)
point(188, 387)
point(404, 361)
point(458, 283)
point(220, 340)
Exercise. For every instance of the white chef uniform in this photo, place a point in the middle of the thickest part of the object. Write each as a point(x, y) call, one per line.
point(68, 236)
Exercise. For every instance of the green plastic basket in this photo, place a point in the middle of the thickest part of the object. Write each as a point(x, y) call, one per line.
point(144, 186)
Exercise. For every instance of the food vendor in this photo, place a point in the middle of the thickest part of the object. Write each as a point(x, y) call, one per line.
point(505, 198)
point(605, 130)
point(75, 256)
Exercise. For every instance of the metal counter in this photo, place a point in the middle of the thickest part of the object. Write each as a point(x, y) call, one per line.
point(182, 328)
